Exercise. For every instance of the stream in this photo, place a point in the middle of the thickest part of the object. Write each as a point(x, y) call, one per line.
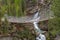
point(37, 29)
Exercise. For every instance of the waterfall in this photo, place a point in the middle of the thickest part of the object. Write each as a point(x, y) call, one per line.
point(37, 29)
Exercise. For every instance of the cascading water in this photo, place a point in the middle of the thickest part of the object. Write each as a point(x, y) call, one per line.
point(37, 29)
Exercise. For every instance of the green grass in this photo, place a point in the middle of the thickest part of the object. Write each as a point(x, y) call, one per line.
point(14, 7)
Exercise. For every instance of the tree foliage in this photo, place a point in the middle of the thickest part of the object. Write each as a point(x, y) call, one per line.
point(54, 24)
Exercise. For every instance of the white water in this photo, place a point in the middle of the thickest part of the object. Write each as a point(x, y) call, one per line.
point(37, 29)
